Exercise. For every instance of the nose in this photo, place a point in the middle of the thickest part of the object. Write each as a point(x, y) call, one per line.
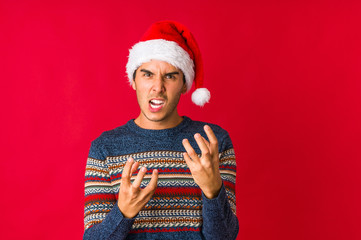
point(158, 84)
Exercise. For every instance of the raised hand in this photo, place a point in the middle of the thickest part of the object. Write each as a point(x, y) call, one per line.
point(131, 197)
point(204, 169)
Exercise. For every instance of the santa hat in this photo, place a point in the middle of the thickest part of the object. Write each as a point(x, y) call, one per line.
point(171, 42)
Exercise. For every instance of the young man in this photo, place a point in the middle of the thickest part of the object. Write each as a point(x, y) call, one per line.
point(161, 175)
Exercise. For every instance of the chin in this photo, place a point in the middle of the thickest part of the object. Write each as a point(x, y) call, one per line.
point(155, 118)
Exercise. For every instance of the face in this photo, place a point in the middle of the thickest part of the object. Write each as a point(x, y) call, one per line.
point(158, 86)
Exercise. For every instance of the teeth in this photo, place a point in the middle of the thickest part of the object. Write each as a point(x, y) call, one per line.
point(154, 106)
point(154, 101)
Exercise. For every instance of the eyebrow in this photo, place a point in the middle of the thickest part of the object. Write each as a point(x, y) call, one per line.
point(172, 73)
point(146, 71)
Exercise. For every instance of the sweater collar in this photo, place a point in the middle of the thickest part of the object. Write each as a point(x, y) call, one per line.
point(158, 133)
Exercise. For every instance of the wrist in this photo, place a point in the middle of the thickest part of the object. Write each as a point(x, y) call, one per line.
point(214, 192)
point(125, 214)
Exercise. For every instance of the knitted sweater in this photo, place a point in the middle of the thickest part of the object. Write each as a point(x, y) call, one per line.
point(178, 209)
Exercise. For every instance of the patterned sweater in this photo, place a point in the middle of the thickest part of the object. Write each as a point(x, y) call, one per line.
point(178, 208)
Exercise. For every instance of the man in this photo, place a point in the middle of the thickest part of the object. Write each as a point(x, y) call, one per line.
point(161, 175)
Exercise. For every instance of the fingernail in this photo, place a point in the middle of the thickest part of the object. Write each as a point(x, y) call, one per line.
point(143, 169)
point(197, 135)
point(130, 159)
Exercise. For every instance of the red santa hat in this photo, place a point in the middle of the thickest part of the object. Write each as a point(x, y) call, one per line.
point(171, 42)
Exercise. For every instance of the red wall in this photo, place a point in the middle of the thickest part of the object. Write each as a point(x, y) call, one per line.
point(285, 78)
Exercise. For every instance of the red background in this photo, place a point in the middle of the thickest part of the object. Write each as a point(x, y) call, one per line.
point(285, 82)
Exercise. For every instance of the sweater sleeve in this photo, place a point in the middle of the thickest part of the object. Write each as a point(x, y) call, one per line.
point(102, 217)
point(219, 214)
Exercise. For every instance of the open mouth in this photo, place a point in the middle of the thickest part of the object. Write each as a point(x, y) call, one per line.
point(156, 104)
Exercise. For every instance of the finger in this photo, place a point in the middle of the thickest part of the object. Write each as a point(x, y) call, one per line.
point(134, 168)
point(201, 144)
point(188, 160)
point(192, 154)
point(205, 140)
point(126, 174)
point(152, 185)
point(212, 139)
point(139, 178)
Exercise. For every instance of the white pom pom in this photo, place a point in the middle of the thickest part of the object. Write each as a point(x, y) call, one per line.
point(201, 96)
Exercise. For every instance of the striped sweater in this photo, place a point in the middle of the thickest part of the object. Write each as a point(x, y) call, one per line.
point(178, 208)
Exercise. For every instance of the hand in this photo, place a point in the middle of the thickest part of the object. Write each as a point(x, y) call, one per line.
point(131, 197)
point(205, 170)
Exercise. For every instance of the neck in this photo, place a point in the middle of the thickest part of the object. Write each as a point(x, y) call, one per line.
point(169, 122)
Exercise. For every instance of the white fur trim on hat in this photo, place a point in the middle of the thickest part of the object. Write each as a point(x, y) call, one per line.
point(201, 96)
point(162, 50)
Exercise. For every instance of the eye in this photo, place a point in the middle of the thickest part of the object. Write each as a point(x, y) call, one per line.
point(170, 76)
point(147, 74)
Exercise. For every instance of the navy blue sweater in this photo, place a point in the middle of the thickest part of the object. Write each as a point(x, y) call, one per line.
point(178, 209)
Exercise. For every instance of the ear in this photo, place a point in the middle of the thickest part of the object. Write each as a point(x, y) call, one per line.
point(184, 88)
point(133, 85)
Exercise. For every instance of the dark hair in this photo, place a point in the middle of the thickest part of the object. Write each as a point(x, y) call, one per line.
point(134, 74)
